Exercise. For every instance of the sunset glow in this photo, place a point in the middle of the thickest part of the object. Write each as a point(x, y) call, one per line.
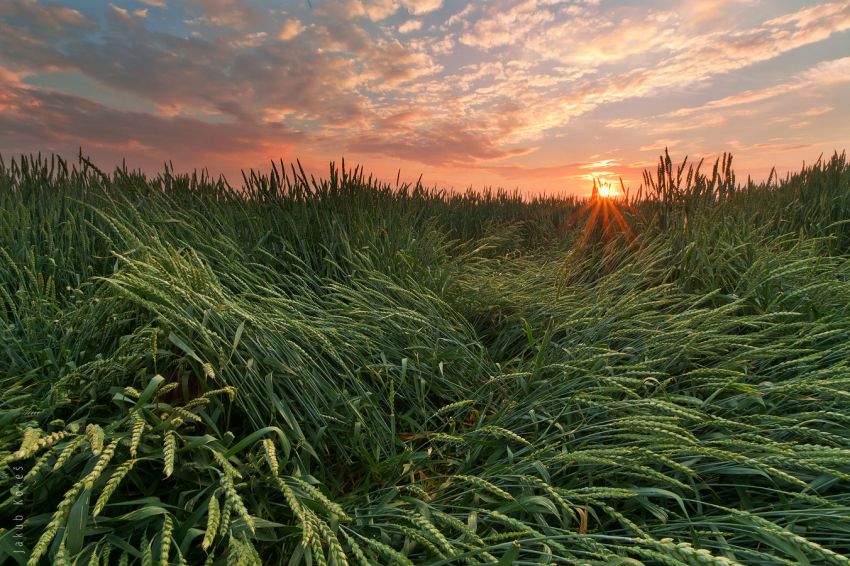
point(606, 190)
point(540, 95)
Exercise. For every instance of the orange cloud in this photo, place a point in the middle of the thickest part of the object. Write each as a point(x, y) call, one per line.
point(290, 30)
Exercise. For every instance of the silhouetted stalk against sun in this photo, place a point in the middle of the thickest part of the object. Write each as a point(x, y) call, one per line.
point(601, 216)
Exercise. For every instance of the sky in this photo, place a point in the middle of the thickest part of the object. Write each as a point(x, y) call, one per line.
point(536, 95)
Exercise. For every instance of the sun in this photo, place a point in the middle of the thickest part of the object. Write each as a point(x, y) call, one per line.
point(602, 214)
point(604, 189)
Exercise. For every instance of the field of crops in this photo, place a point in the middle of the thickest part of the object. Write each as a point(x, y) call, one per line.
point(338, 371)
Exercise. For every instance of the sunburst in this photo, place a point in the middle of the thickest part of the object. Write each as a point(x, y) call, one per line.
point(602, 214)
point(604, 189)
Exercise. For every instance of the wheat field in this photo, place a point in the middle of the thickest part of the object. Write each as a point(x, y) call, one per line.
point(340, 371)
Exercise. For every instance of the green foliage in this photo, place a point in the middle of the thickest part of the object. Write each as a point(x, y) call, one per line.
point(345, 372)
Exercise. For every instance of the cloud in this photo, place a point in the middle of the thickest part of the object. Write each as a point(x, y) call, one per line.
point(503, 27)
point(373, 10)
point(782, 147)
point(377, 59)
point(126, 15)
point(659, 145)
point(626, 123)
point(441, 144)
point(10, 81)
point(828, 72)
point(409, 26)
point(250, 40)
point(377, 10)
point(817, 111)
point(702, 12)
point(461, 17)
point(420, 7)
point(44, 18)
point(715, 53)
point(704, 117)
point(290, 30)
point(821, 75)
point(38, 118)
point(520, 172)
point(442, 46)
point(579, 36)
point(235, 14)
point(236, 76)
point(600, 164)
point(812, 15)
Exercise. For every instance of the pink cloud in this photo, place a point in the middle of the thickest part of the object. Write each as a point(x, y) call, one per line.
point(420, 7)
point(290, 30)
point(44, 16)
point(409, 26)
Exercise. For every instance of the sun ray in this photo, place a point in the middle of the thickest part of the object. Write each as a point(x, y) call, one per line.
point(602, 214)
